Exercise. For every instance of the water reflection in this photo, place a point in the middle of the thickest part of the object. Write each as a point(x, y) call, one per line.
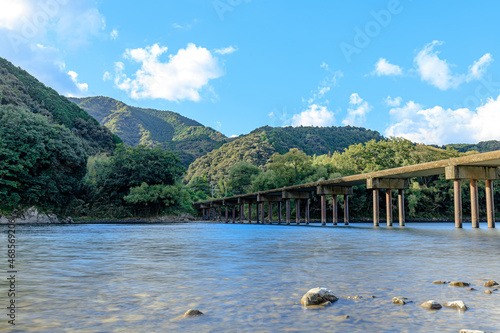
point(105, 278)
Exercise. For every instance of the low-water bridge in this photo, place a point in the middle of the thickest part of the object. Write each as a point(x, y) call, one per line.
point(472, 168)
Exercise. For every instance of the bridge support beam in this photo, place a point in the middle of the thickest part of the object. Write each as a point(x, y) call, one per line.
point(490, 207)
point(287, 213)
point(270, 214)
point(401, 207)
point(346, 209)
point(335, 209)
point(279, 211)
point(308, 220)
point(287, 195)
point(473, 173)
point(334, 191)
point(387, 184)
point(376, 207)
point(241, 213)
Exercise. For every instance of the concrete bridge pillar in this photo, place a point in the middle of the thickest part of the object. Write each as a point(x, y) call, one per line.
point(307, 211)
point(388, 204)
point(346, 209)
point(323, 209)
point(490, 207)
point(226, 212)
point(376, 207)
point(335, 209)
point(473, 174)
point(334, 191)
point(298, 196)
point(258, 213)
point(279, 212)
point(387, 184)
point(270, 212)
point(401, 207)
point(287, 208)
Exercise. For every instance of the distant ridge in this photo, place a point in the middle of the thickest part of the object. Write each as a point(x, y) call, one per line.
point(167, 129)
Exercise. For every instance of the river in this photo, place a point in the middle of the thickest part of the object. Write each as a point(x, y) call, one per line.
point(250, 278)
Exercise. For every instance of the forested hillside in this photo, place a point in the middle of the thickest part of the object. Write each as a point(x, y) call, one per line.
point(482, 147)
point(150, 127)
point(44, 142)
point(257, 147)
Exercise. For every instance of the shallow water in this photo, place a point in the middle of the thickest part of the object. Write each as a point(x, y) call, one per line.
point(249, 278)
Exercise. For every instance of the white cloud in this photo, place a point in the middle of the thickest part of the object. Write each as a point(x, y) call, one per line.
point(389, 101)
point(478, 68)
point(233, 136)
point(182, 77)
point(11, 13)
point(114, 34)
point(437, 72)
point(106, 76)
point(218, 125)
point(315, 115)
point(384, 68)
point(438, 125)
point(226, 50)
point(326, 85)
point(356, 116)
point(83, 87)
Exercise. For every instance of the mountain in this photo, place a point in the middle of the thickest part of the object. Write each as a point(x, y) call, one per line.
point(482, 147)
point(258, 146)
point(45, 141)
point(138, 126)
point(19, 88)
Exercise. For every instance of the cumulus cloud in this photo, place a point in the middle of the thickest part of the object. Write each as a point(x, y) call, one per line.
point(182, 77)
point(226, 50)
point(357, 112)
point(83, 87)
point(315, 115)
point(114, 34)
point(384, 68)
point(437, 71)
point(389, 101)
point(438, 125)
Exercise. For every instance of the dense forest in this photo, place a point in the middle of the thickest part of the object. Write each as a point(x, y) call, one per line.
point(153, 128)
point(58, 158)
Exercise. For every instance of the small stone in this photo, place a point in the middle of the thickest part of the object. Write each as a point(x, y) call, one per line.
point(431, 305)
point(488, 292)
point(192, 313)
point(458, 305)
point(345, 317)
point(459, 284)
point(399, 300)
point(490, 283)
point(373, 296)
point(440, 282)
point(354, 297)
point(318, 296)
point(471, 289)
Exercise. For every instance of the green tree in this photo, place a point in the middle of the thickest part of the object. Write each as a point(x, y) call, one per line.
point(41, 164)
point(240, 177)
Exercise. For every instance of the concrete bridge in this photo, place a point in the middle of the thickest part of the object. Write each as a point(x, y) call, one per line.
point(471, 168)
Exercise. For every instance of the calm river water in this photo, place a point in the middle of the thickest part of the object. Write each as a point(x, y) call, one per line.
point(249, 278)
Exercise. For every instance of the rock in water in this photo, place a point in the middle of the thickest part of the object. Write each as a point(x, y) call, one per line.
point(459, 284)
point(439, 282)
point(318, 296)
point(432, 305)
point(193, 313)
point(400, 300)
point(458, 305)
point(488, 292)
point(490, 283)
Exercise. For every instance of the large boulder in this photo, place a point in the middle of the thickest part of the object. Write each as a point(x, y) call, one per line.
point(192, 313)
point(458, 305)
point(318, 296)
point(431, 305)
point(31, 215)
point(490, 283)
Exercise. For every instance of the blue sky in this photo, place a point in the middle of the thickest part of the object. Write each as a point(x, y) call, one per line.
point(424, 70)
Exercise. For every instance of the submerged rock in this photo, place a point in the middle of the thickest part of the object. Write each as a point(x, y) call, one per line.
point(192, 313)
point(458, 305)
point(459, 284)
point(490, 283)
point(318, 296)
point(431, 305)
point(471, 289)
point(488, 292)
point(440, 282)
point(400, 300)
